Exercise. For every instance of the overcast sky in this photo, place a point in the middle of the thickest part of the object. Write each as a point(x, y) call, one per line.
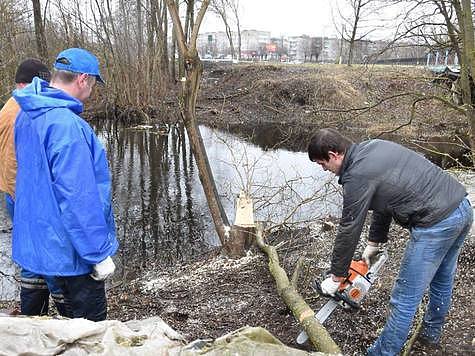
point(281, 17)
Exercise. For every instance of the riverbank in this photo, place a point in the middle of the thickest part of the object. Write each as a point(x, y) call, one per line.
point(290, 102)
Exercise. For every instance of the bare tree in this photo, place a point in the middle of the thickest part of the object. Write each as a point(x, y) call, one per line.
point(41, 44)
point(464, 34)
point(220, 7)
point(189, 91)
point(441, 25)
point(355, 25)
point(234, 5)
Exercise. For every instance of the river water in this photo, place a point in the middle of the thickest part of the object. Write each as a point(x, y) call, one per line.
point(160, 209)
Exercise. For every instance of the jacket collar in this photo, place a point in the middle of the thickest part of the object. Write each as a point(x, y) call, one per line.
point(347, 161)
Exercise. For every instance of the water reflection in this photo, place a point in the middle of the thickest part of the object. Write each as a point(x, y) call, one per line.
point(160, 208)
point(152, 175)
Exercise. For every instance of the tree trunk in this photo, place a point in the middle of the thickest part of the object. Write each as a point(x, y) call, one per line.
point(463, 10)
point(139, 66)
point(317, 334)
point(235, 7)
point(353, 33)
point(469, 51)
point(239, 39)
point(232, 240)
point(163, 38)
point(151, 49)
point(229, 34)
point(189, 94)
point(41, 44)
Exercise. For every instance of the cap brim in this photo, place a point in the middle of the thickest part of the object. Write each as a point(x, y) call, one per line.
point(100, 80)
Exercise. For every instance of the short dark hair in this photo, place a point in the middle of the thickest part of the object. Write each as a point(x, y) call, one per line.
point(326, 140)
point(30, 68)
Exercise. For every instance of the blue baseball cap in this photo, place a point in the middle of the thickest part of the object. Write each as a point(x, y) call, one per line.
point(78, 60)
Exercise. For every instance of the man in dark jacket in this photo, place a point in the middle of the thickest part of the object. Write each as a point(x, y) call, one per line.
point(400, 184)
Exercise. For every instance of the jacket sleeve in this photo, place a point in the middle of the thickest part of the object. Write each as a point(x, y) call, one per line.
point(379, 229)
point(74, 186)
point(357, 195)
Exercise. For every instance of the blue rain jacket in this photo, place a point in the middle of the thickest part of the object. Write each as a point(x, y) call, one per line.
point(63, 222)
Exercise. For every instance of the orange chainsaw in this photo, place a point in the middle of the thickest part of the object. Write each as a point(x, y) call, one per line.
point(351, 291)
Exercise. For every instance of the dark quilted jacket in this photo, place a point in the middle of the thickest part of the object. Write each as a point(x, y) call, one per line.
point(396, 183)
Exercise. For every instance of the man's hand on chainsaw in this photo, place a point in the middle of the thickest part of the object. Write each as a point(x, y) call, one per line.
point(329, 286)
point(371, 249)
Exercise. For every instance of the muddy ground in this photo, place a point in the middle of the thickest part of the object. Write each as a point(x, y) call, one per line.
point(208, 298)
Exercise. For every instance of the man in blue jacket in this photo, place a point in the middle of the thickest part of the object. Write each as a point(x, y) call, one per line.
point(63, 223)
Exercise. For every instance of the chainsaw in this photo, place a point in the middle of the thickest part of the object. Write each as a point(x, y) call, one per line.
point(351, 291)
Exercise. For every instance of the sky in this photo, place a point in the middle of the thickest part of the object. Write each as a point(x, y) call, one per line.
point(281, 17)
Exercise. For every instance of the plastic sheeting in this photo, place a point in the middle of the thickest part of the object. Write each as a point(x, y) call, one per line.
point(45, 336)
point(244, 341)
point(40, 336)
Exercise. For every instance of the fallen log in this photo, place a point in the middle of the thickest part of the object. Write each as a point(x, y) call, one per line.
point(317, 334)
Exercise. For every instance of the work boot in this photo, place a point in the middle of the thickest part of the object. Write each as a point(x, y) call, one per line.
point(426, 343)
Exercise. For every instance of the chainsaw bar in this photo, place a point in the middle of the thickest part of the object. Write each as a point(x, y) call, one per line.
point(321, 316)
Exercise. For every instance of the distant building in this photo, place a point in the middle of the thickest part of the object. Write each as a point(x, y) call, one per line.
point(216, 44)
point(313, 49)
point(254, 44)
point(213, 44)
point(258, 45)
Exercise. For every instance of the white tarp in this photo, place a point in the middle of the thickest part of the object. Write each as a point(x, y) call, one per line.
point(42, 336)
point(46, 336)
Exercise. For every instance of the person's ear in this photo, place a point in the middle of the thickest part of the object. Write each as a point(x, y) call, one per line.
point(332, 154)
point(82, 80)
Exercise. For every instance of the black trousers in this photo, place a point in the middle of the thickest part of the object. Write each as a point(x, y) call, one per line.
point(35, 292)
point(85, 297)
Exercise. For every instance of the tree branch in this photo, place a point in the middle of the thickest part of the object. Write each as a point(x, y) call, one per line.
point(303, 313)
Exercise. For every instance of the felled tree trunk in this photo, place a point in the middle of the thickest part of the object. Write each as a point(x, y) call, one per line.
point(317, 334)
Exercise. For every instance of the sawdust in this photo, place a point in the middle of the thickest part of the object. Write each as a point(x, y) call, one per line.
point(210, 297)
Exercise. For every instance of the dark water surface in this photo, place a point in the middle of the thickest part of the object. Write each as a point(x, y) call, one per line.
point(160, 209)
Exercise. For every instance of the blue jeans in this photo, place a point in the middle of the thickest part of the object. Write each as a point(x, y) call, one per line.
point(430, 260)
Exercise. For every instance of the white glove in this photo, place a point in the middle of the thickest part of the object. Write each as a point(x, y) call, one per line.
point(329, 286)
point(103, 269)
point(370, 251)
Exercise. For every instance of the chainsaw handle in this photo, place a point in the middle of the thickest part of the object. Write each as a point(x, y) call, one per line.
point(339, 296)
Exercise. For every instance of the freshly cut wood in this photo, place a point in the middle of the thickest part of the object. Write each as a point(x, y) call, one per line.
point(316, 332)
